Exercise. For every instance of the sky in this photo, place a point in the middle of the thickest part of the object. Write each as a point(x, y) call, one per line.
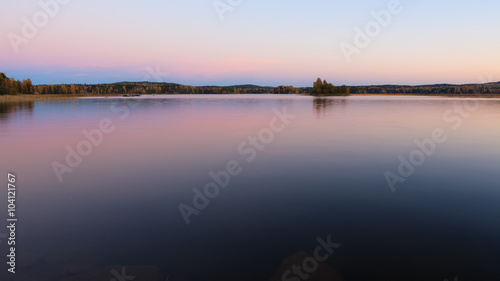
point(264, 42)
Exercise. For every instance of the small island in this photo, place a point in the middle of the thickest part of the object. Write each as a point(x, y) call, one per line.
point(327, 89)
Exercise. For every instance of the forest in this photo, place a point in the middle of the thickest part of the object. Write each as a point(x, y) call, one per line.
point(11, 86)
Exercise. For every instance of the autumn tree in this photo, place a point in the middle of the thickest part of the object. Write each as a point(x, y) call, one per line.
point(63, 89)
point(29, 86)
point(285, 90)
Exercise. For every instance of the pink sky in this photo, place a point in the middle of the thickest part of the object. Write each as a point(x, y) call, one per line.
point(95, 42)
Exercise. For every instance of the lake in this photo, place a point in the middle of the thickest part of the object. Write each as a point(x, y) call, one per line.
point(227, 187)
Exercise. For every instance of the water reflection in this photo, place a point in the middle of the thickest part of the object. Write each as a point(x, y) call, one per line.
point(316, 178)
point(324, 106)
point(21, 109)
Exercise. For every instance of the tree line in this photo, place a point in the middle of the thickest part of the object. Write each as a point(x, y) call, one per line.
point(323, 88)
point(11, 86)
point(470, 89)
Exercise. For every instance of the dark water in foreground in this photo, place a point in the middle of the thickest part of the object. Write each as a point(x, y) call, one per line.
point(314, 176)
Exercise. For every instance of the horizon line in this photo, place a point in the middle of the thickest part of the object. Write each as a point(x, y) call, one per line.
point(260, 86)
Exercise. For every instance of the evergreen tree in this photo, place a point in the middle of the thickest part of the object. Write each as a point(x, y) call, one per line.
point(3, 84)
point(317, 87)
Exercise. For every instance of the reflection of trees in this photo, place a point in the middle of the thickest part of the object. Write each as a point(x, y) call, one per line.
point(323, 106)
point(7, 109)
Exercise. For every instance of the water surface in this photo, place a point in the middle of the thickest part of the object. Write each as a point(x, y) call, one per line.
point(322, 175)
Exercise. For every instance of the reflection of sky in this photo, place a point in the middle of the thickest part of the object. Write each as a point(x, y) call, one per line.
point(193, 134)
point(262, 42)
point(323, 174)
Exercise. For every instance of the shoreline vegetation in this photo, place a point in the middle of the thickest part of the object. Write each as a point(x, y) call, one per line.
point(35, 97)
point(28, 98)
point(14, 90)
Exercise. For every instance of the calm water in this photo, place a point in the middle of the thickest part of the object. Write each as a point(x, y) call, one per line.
point(321, 175)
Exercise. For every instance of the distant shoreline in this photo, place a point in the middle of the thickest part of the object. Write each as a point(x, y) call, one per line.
point(21, 98)
point(436, 95)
